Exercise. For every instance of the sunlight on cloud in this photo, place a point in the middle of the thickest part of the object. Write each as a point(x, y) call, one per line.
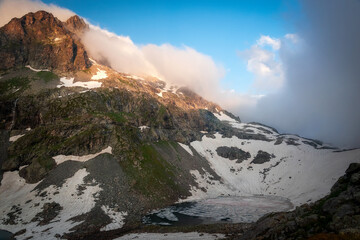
point(177, 66)
point(18, 8)
point(268, 71)
point(267, 40)
point(185, 67)
point(117, 51)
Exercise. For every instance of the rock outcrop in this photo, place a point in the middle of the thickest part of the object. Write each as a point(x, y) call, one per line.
point(42, 41)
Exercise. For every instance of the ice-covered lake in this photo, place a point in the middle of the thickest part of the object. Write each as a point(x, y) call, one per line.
point(233, 209)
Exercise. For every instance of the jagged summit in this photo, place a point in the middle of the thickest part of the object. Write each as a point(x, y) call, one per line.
point(76, 24)
point(41, 40)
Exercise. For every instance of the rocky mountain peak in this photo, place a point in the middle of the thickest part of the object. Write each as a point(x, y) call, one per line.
point(41, 40)
point(76, 24)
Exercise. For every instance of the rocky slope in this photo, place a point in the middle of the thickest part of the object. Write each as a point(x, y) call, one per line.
point(89, 151)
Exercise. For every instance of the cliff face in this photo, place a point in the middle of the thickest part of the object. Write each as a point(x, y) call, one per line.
point(41, 40)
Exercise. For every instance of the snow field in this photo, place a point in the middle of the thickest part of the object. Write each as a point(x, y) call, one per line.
point(15, 192)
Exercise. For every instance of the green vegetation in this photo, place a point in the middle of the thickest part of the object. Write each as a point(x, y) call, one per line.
point(117, 116)
point(47, 163)
point(13, 84)
point(127, 82)
point(152, 175)
point(47, 76)
point(87, 70)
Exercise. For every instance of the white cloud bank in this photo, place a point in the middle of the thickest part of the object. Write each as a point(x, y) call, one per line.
point(320, 95)
point(182, 66)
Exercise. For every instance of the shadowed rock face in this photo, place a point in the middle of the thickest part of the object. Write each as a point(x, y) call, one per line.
point(42, 41)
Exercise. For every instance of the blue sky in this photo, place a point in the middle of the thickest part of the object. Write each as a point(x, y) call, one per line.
point(216, 28)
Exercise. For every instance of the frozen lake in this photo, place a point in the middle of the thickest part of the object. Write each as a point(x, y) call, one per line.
point(244, 209)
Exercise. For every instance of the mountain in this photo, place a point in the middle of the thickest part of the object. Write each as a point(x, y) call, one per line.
point(41, 40)
point(88, 151)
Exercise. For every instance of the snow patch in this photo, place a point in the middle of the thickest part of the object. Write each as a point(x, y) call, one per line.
point(187, 148)
point(62, 158)
point(101, 74)
point(142, 128)
point(223, 117)
point(171, 89)
point(21, 200)
point(93, 61)
point(117, 219)
point(37, 70)
point(69, 82)
point(135, 77)
point(14, 138)
point(21, 167)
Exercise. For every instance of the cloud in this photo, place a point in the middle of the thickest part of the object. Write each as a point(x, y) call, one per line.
point(267, 69)
point(182, 66)
point(294, 38)
point(18, 8)
point(186, 67)
point(321, 88)
point(267, 40)
point(117, 51)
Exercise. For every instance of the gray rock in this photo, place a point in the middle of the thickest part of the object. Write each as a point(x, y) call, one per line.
point(233, 153)
point(262, 157)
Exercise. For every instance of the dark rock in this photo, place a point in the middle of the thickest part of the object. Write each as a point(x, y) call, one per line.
point(278, 141)
point(262, 157)
point(233, 153)
point(49, 212)
point(354, 167)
